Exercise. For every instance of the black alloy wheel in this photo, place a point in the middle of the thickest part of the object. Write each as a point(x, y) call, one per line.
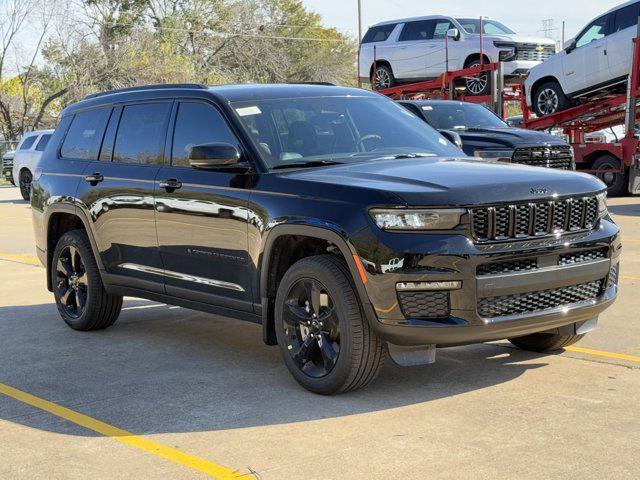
point(311, 327)
point(72, 282)
point(25, 184)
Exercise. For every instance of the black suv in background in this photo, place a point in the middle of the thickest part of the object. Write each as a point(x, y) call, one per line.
point(331, 216)
point(484, 135)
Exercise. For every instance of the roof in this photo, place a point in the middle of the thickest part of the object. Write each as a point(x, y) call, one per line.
point(427, 17)
point(37, 132)
point(227, 93)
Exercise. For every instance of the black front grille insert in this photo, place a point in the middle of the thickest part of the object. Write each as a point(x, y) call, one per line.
point(534, 219)
point(551, 157)
point(613, 276)
point(531, 302)
point(434, 304)
point(511, 266)
point(584, 256)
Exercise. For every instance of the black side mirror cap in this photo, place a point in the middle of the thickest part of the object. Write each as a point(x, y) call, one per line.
point(453, 137)
point(212, 156)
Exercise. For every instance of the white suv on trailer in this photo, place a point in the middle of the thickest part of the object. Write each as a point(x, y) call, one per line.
point(598, 59)
point(413, 49)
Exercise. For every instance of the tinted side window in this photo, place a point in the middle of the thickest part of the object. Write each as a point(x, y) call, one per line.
point(42, 143)
point(28, 142)
point(141, 133)
point(378, 34)
point(85, 134)
point(198, 123)
point(626, 17)
point(421, 30)
point(595, 31)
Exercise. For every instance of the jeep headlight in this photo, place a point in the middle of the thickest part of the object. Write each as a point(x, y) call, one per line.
point(417, 219)
point(494, 155)
point(602, 204)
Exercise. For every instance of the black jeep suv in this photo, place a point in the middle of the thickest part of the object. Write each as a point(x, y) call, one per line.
point(331, 216)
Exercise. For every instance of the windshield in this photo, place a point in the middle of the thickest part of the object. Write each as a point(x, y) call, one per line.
point(460, 116)
point(337, 129)
point(489, 27)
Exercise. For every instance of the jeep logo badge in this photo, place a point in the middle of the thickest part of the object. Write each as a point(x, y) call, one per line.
point(539, 191)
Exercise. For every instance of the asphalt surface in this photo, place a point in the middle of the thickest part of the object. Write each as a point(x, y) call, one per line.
point(172, 393)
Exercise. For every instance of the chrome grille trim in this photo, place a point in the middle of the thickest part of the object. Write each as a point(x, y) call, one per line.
point(530, 220)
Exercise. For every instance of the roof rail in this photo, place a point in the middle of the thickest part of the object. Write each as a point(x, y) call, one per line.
point(159, 86)
point(328, 84)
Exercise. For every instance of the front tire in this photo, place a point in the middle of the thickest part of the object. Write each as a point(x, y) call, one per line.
point(325, 342)
point(548, 99)
point(80, 296)
point(607, 169)
point(25, 184)
point(545, 342)
point(478, 85)
point(383, 78)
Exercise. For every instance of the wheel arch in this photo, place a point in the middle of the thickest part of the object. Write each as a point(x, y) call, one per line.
point(475, 56)
point(60, 219)
point(541, 81)
point(379, 62)
point(271, 269)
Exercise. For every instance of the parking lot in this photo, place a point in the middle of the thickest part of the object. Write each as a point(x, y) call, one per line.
point(172, 393)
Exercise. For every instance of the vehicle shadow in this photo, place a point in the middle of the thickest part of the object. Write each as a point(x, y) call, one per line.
point(629, 210)
point(162, 369)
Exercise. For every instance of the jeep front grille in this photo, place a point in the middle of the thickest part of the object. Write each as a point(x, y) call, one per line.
point(530, 302)
point(521, 221)
point(534, 52)
point(551, 157)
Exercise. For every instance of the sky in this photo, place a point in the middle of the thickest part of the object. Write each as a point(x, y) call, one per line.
point(523, 17)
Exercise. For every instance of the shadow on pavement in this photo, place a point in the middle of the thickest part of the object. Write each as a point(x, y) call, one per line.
point(161, 369)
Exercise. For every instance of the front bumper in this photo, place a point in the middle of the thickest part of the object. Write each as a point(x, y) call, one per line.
point(455, 258)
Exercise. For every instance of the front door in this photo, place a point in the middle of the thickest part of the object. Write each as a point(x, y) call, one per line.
point(202, 216)
point(409, 59)
point(620, 40)
point(118, 194)
point(587, 65)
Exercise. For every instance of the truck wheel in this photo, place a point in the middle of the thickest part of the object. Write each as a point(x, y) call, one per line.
point(607, 169)
point(545, 342)
point(25, 184)
point(80, 296)
point(548, 99)
point(480, 84)
point(383, 78)
point(326, 343)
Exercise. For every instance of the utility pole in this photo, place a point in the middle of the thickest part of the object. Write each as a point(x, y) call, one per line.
point(359, 20)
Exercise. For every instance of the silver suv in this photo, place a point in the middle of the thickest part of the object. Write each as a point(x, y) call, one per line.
point(413, 49)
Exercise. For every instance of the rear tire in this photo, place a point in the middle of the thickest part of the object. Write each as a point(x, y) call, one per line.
point(25, 184)
point(326, 343)
point(616, 182)
point(548, 99)
point(545, 342)
point(80, 296)
point(383, 78)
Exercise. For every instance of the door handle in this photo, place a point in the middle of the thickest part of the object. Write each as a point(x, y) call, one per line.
point(94, 178)
point(170, 185)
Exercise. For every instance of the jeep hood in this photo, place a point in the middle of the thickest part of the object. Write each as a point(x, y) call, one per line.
point(445, 182)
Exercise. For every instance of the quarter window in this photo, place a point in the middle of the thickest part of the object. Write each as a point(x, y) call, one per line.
point(42, 143)
point(85, 134)
point(595, 31)
point(141, 133)
point(417, 31)
point(379, 34)
point(198, 123)
point(28, 142)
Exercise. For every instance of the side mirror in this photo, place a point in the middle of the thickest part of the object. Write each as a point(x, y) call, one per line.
point(453, 34)
point(570, 45)
point(453, 137)
point(211, 156)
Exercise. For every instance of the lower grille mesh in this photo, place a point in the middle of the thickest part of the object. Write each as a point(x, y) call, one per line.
point(537, 301)
point(424, 304)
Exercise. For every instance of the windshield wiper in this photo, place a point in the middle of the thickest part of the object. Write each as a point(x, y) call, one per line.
point(309, 164)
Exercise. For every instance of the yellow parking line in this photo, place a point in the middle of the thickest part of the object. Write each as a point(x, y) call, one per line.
point(128, 438)
point(627, 277)
point(22, 258)
point(602, 353)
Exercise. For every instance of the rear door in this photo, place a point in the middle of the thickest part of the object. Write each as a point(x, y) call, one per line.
point(620, 40)
point(118, 194)
point(411, 51)
point(202, 220)
point(587, 65)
